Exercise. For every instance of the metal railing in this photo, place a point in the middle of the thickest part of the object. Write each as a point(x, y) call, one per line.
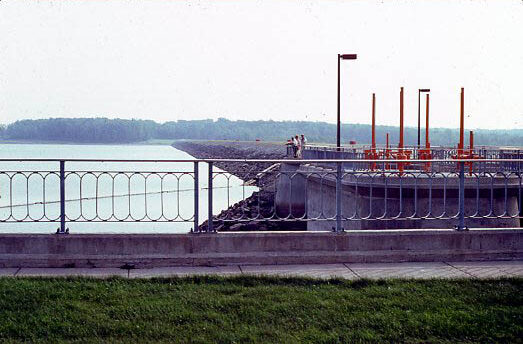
point(493, 159)
point(324, 193)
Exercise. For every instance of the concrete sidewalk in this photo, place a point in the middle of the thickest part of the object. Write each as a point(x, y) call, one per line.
point(422, 270)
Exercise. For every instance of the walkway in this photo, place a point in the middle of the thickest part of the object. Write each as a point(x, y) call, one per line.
point(492, 269)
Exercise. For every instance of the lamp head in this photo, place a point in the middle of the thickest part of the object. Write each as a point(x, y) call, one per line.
point(348, 56)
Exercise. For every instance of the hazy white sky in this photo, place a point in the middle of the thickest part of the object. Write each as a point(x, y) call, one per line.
point(273, 59)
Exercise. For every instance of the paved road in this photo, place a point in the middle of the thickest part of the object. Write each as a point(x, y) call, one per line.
point(349, 271)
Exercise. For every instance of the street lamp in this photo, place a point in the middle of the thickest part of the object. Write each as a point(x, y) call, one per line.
point(341, 57)
point(426, 90)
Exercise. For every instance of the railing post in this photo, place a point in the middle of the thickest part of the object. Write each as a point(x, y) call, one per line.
point(196, 228)
point(338, 197)
point(62, 228)
point(461, 198)
point(210, 227)
point(520, 157)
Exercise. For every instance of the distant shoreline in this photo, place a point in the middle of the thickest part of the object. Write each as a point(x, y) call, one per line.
point(45, 142)
point(173, 142)
point(153, 142)
point(100, 130)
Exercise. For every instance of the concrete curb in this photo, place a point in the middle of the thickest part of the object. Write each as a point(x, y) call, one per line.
point(152, 250)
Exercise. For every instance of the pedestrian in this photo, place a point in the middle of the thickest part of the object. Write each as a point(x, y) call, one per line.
point(290, 146)
point(303, 142)
point(298, 146)
point(294, 147)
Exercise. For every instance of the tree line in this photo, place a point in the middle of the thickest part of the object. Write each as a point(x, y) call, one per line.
point(104, 130)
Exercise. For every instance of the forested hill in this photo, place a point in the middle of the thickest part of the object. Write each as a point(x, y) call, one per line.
point(103, 130)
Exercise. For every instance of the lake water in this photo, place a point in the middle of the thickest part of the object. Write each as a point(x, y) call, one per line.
point(107, 197)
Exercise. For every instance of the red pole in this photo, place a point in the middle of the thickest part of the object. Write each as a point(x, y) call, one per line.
point(373, 122)
point(427, 154)
point(471, 141)
point(462, 121)
point(427, 142)
point(401, 119)
point(387, 152)
point(471, 150)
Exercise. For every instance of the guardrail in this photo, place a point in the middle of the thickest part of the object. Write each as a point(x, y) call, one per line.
point(321, 191)
point(500, 157)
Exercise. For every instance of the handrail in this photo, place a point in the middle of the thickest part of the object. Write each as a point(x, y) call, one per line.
point(266, 160)
point(95, 186)
point(383, 145)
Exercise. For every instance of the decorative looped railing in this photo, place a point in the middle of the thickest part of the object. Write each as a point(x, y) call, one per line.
point(323, 193)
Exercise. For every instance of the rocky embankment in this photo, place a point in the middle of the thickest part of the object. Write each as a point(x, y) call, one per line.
point(235, 150)
point(263, 175)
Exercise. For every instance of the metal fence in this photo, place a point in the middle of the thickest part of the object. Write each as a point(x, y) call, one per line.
point(34, 195)
point(502, 155)
point(389, 198)
point(492, 159)
point(325, 194)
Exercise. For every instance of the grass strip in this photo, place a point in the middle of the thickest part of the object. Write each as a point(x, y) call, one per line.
point(259, 309)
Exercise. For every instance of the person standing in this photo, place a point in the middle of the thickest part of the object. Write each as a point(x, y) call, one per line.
point(298, 146)
point(290, 146)
point(294, 147)
point(303, 141)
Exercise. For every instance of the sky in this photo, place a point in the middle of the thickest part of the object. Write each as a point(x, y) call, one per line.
point(272, 59)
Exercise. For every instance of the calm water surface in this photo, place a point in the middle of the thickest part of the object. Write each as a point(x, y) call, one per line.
point(163, 190)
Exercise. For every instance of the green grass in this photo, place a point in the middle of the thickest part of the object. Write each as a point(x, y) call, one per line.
point(257, 309)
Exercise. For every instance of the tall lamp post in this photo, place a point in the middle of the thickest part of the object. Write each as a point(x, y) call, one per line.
point(341, 57)
point(421, 90)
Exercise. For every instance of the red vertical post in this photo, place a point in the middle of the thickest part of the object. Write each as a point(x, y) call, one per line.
point(387, 155)
point(373, 154)
point(471, 142)
point(401, 156)
point(471, 150)
point(462, 122)
point(373, 122)
point(401, 119)
point(427, 154)
point(427, 141)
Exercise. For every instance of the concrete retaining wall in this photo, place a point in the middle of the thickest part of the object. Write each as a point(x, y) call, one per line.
point(310, 192)
point(290, 191)
point(321, 199)
point(91, 250)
